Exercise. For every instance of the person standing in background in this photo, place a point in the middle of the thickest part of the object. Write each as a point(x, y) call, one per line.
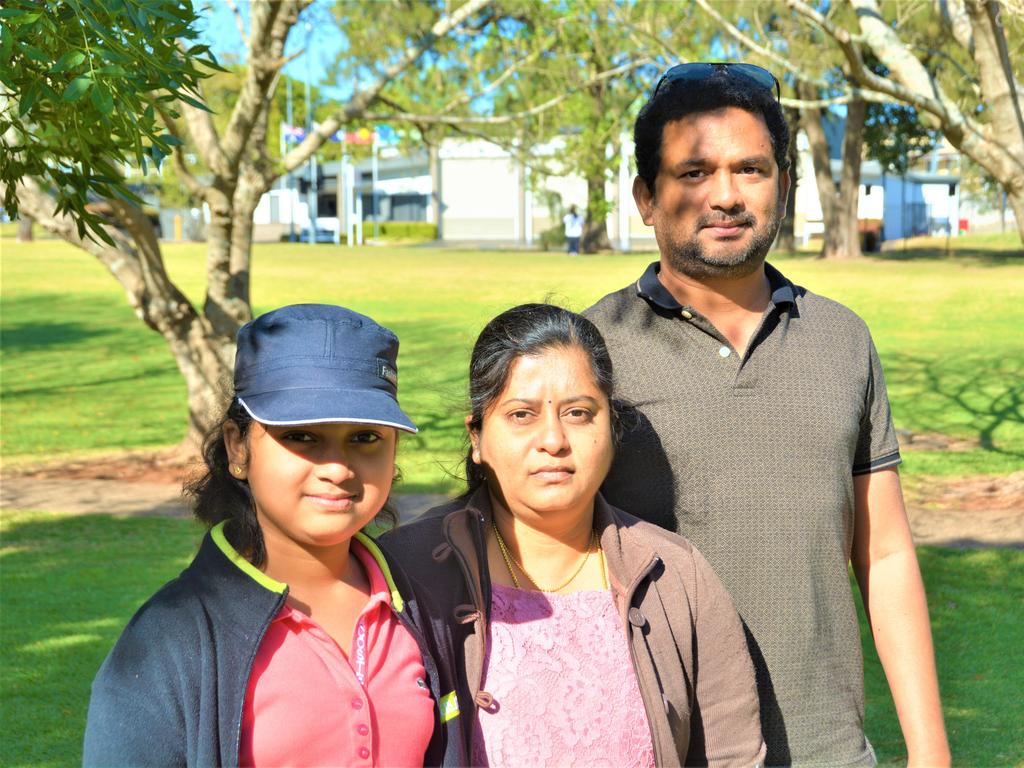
point(573, 231)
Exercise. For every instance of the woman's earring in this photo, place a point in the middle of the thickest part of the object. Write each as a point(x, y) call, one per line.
point(237, 471)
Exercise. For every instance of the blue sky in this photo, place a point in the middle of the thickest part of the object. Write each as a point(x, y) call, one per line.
point(323, 41)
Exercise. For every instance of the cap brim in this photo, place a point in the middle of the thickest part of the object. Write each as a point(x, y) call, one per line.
point(326, 406)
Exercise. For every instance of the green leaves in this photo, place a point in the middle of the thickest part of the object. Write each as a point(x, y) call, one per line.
point(102, 100)
point(69, 60)
point(82, 76)
point(76, 88)
point(28, 98)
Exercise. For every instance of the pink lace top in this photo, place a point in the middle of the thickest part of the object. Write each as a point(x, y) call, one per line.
point(564, 689)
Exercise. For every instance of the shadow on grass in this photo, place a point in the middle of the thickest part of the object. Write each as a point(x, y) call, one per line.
point(98, 320)
point(974, 598)
point(41, 324)
point(983, 250)
point(978, 256)
point(69, 586)
point(982, 394)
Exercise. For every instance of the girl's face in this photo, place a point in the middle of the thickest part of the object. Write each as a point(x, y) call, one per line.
point(314, 485)
point(546, 440)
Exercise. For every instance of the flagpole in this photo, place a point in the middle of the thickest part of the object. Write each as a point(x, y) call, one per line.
point(373, 189)
point(291, 178)
point(311, 194)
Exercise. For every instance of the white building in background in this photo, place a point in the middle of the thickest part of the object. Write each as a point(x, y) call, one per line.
point(925, 201)
point(474, 191)
point(478, 193)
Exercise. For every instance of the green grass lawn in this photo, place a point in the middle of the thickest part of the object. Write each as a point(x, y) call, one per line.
point(54, 633)
point(82, 375)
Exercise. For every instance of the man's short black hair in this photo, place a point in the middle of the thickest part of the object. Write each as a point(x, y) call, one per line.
point(677, 99)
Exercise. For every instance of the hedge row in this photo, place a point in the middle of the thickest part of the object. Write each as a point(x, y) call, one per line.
point(413, 230)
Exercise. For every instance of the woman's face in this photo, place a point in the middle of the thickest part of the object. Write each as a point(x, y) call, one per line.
point(314, 485)
point(546, 441)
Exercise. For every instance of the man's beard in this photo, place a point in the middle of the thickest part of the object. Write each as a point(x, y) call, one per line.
point(690, 257)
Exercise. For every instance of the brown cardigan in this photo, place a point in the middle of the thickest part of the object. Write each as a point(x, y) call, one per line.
point(686, 640)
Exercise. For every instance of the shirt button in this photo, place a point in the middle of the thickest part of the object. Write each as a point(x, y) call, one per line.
point(687, 314)
point(364, 752)
point(363, 729)
point(724, 352)
point(357, 703)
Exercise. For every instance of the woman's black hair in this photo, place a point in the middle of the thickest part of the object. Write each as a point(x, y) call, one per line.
point(217, 495)
point(529, 329)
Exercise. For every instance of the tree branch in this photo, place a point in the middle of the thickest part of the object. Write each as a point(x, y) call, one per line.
point(239, 21)
point(269, 24)
point(514, 67)
point(866, 10)
point(955, 19)
point(463, 120)
point(739, 36)
point(205, 138)
point(178, 152)
point(359, 103)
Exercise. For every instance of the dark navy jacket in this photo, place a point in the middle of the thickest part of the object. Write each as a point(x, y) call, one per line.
point(172, 690)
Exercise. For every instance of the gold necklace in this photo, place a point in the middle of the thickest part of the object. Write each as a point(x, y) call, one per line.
point(509, 561)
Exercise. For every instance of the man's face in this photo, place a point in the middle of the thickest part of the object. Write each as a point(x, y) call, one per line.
point(719, 195)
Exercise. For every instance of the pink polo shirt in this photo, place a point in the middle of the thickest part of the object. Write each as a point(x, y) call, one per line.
point(305, 705)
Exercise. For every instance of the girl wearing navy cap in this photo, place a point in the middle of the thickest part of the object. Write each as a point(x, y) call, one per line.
point(290, 638)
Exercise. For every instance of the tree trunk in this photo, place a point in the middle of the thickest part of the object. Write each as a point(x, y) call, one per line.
point(204, 357)
point(838, 201)
point(595, 226)
point(845, 244)
point(1016, 201)
point(810, 121)
point(436, 185)
point(786, 241)
point(25, 223)
point(239, 172)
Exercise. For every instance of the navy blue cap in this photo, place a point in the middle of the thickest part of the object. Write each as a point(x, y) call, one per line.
point(317, 363)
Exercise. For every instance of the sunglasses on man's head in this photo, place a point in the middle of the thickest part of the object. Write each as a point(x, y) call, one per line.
point(696, 71)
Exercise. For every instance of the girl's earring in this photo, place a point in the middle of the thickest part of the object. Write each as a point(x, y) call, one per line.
point(237, 471)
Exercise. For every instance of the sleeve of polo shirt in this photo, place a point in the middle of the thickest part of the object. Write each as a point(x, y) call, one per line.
point(877, 446)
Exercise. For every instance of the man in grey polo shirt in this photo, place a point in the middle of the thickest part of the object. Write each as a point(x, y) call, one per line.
point(763, 431)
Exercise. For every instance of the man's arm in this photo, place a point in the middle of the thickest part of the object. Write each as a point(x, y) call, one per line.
point(885, 565)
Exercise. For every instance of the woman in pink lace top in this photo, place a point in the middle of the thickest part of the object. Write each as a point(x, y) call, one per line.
point(584, 635)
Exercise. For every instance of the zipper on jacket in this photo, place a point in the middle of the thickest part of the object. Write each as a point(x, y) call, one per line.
point(430, 666)
point(484, 608)
point(248, 674)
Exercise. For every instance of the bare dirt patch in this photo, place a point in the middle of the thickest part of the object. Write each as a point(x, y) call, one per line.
point(977, 511)
point(934, 441)
point(167, 467)
point(132, 483)
point(982, 510)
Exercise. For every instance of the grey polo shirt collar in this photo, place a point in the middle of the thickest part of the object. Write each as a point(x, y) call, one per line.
point(649, 288)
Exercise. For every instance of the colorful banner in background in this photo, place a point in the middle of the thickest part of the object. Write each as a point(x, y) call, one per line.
point(384, 134)
point(293, 134)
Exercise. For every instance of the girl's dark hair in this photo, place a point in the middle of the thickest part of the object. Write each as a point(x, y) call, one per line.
point(529, 329)
point(217, 495)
